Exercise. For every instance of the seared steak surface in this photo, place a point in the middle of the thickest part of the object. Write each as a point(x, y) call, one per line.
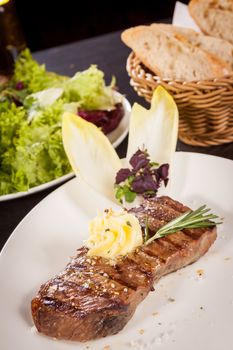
point(93, 298)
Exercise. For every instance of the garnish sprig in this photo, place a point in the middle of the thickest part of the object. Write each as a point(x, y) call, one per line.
point(198, 218)
point(143, 178)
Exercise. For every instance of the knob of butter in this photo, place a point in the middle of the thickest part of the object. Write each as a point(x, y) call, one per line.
point(113, 233)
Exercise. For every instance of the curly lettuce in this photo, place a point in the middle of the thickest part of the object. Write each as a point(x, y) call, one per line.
point(11, 119)
point(36, 155)
point(32, 76)
point(31, 108)
point(89, 89)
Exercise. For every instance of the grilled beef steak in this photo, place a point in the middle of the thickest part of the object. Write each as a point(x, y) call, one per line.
point(92, 298)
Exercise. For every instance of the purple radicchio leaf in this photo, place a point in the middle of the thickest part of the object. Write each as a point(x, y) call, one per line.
point(139, 160)
point(19, 85)
point(106, 120)
point(122, 175)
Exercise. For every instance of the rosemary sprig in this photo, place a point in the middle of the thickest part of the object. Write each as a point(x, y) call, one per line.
point(193, 219)
point(146, 230)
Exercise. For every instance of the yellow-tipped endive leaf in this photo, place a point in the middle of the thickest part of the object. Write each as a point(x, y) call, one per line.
point(90, 153)
point(155, 129)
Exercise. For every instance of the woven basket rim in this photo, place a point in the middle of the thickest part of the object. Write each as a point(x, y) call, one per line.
point(194, 83)
point(205, 106)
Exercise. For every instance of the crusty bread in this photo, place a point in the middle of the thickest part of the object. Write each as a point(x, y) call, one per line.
point(222, 4)
point(216, 46)
point(172, 57)
point(214, 17)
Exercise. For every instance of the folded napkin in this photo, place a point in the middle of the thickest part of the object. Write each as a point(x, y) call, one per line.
point(182, 18)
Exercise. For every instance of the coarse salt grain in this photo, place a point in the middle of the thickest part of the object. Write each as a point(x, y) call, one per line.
point(33, 329)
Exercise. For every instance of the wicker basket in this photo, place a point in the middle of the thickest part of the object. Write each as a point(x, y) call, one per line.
point(205, 107)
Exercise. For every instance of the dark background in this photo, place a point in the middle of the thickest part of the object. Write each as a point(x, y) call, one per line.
point(52, 23)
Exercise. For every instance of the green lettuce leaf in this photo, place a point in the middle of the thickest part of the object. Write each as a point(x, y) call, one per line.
point(11, 119)
point(37, 155)
point(33, 75)
point(89, 89)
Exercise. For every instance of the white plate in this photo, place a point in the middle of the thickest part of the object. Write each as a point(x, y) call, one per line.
point(201, 315)
point(115, 137)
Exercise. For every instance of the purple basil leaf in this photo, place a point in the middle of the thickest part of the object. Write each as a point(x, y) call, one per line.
point(150, 183)
point(137, 185)
point(139, 160)
point(122, 175)
point(143, 183)
point(163, 171)
point(162, 174)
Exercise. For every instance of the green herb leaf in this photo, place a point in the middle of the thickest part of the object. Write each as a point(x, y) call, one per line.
point(128, 194)
point(119, 193)
point(198, 218)
point(154, 164)
point(125, 192)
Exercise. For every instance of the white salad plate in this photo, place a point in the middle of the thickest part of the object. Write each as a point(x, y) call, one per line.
point(189, 309)
point(115, 137)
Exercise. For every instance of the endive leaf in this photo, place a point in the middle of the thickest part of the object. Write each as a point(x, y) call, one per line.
point(155, 129)
point(90, 153)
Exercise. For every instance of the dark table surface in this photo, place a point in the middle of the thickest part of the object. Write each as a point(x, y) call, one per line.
point(110, 54)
